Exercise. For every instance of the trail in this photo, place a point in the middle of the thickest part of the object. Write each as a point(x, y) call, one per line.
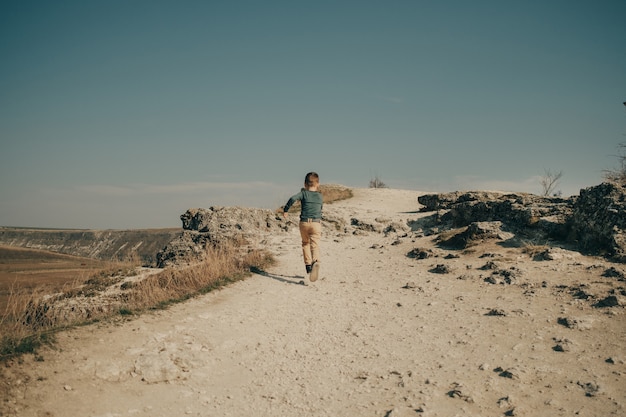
point(377, 335)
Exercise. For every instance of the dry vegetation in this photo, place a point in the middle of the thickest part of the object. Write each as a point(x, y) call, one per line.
point(31, 270)
point(29, 318)
point(222, 266)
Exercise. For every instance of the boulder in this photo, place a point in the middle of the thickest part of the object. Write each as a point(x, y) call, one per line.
point(598, 220)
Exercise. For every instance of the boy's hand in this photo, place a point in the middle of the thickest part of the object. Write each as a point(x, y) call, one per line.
point(284, 214)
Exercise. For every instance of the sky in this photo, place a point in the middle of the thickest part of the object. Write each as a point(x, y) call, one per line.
point(124, 114)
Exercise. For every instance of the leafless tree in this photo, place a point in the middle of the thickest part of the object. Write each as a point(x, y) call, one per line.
point(618, 175)
point(549, 181)
point(376, 182)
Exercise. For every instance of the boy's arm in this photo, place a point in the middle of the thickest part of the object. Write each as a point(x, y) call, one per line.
point(292, 200)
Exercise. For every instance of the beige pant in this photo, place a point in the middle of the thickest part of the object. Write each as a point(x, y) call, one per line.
point(311, 233)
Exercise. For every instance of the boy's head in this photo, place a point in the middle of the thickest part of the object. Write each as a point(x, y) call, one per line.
point(312, 179)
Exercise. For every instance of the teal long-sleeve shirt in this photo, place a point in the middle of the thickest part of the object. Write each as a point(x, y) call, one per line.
point(311, 201)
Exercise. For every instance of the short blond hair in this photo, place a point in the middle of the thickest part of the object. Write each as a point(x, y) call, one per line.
point(312, 179)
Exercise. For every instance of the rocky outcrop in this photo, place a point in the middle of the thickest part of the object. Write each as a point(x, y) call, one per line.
point(214, 226)
point(595, 220)
point(518, 211)
point(598, 220)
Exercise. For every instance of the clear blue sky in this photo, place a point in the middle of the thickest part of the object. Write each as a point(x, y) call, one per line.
point(124, 114)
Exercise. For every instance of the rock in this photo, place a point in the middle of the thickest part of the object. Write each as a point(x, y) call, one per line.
point(517, 210)
point(475, 233)
point(562, 345)
point(490, 266)
point(613, 272)
point(576, 323)
point(511, 373)
point(457, 391)
point(591, 388)
point(364, 226)
point(549, 254)
point(503, 276)
point(598, 220)
point(394, 227)
point(610, 301)
point(419, 253)
point(441, 269)
point(229, 221)
point(214, 226)
point(595, 220)
point(495, 312)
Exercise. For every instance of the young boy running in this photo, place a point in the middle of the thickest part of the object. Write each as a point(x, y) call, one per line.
point(310, 222)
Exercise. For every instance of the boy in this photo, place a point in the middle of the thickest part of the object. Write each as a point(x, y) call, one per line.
point(310, 222)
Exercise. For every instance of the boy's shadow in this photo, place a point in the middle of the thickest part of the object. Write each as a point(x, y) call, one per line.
point(282, 278)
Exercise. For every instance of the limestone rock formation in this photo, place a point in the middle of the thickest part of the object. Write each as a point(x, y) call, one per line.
point(598, 220)
point(595, 220)
point(213, 226)
point(519, 211)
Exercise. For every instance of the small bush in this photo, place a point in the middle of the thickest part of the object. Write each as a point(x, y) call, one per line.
point(377, 183)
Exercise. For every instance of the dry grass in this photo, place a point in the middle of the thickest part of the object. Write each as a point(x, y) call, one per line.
point(222, 265)
point(333, 192)
point(31, 317)
point(26, 318)
point(533, 249)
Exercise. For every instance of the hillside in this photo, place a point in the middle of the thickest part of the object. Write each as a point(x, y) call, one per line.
point(97, 244)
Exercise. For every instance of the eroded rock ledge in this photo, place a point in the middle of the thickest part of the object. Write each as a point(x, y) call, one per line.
point(213, 226)
point(595, 220)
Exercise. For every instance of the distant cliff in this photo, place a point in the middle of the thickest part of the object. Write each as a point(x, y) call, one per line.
point(98, 244)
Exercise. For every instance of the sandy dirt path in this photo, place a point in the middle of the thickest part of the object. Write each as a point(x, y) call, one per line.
point(380, 334)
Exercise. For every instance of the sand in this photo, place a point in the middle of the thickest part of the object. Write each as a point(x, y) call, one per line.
point(379, 334)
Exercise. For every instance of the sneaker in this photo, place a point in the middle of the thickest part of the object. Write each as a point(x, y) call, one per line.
point(315, 270)
point(308, 269)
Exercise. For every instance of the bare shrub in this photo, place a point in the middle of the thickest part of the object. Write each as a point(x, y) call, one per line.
point(549, 182)
point(376, 182)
